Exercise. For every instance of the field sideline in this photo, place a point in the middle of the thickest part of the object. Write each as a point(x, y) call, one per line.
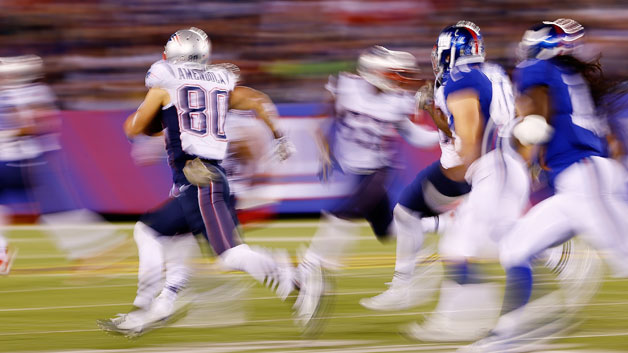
point(46, 305)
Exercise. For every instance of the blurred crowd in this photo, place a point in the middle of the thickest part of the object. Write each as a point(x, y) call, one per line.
point(97, 52)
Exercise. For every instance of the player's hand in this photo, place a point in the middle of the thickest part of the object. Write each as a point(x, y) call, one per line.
point(147, 150)
point(283, 148)
point(197, 173)
point(327, 168)
point(425, 98)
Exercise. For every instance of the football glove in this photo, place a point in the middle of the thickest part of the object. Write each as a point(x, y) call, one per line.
point(146, 150)
point(283, 148)
point(425, 97)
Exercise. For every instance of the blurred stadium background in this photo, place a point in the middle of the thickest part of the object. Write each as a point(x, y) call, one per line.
point(96, 54)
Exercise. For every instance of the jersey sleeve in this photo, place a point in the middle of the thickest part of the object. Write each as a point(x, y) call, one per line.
point(460, 80)
point(158, 74)
point(332, 85)
point(531, 73)
point(406, 104)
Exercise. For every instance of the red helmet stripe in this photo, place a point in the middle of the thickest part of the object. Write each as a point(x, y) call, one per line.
point(475, 37)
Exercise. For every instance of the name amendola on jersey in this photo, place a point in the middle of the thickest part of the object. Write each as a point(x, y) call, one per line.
point(200, 95)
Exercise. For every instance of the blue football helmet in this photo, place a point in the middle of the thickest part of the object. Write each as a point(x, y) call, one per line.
point(458, 44)
point(551, 38)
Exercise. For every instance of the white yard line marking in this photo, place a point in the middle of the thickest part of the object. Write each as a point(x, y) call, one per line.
point(43, 289)
point(65, 307)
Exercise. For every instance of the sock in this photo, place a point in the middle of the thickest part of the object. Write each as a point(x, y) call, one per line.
point(81, 233)
point(409, 242)
point(259, 264)
point(178, 251)
point(518, 288)
point(332, 240)
point(430, 224)
point(151, 262)
point(459, 271)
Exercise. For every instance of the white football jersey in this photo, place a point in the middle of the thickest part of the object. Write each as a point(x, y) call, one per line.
point(201, 97)
point(449, 158)
point(366, 133)
point(18, 107)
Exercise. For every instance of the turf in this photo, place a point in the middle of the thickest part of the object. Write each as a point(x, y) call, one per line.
point(47, 305)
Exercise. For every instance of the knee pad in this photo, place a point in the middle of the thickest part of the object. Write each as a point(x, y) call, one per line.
point(404, 217)
point(143, 234)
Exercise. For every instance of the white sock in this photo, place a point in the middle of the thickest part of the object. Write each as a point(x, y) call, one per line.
point(75, 233)
point(4, 211)
point(409, 242)
point(258, 264)
point(430, 224)
point(151, 264)
point(476, 303)
point(179, 250)
point(332, 240)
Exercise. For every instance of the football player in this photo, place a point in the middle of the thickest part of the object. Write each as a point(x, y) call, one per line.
point(371, 109)
point(558, 94)
point(479, 99)
point(31, 161)
point(192, 98)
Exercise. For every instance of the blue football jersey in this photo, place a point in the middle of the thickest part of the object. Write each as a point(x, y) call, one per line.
point(470, 77)
point(577, 128)
point(495, 94)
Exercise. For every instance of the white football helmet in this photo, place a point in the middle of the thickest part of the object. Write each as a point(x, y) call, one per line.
point(188, 45)
point(385, 69)
point(16, 70)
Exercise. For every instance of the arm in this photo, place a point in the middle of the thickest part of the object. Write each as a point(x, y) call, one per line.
point(441, 121)
point(425, 101)
point(139, 121)
point(417, 135)
point(534, 101)
point(533, 106)
point(245, 98)
point(464, 105)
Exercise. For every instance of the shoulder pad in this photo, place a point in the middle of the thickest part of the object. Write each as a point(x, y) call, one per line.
point(158, 74)
point(232, 70)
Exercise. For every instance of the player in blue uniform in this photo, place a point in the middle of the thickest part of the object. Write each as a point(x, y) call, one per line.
point(441, 186)
point(480, 101)
point(557, 99)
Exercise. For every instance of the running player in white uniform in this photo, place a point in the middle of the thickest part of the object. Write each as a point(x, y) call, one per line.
point(192, 99)
point(371, 111)
point(437, 189)
point(32, 162)
point(557, 97)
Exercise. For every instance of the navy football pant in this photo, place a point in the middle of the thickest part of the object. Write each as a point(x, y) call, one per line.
point(431, 192)
point(207, 210)
point(369, 200)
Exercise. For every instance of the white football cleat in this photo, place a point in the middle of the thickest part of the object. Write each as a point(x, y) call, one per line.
point(310, 306)
point(125, 324)
point(286, 275)
point(406, 295)
point(439, 329)
point(7, 256)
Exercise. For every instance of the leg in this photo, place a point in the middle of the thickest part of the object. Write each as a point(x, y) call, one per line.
point(62, 210)
point(545, 225)
point(217, 223)
point(468, 306)
point(337, 233)
point(429, 194)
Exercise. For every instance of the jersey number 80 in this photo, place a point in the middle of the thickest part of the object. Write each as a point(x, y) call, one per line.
point(202, 112)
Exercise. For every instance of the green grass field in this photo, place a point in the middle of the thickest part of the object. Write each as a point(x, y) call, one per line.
point(45, 305)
